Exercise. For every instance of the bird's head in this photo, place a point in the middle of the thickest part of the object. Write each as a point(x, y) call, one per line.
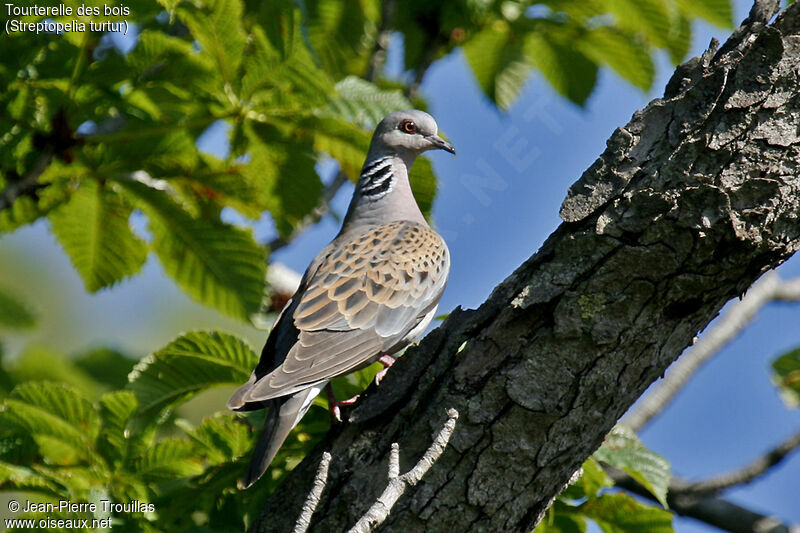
point(411, 132)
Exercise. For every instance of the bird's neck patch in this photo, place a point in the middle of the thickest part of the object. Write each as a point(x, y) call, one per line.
point(377, 178)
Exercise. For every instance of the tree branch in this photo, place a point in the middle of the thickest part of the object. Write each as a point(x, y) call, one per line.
point(767, 289)
point(713, 511)
point(747, 474)
point(689, 204)
point(312, 500)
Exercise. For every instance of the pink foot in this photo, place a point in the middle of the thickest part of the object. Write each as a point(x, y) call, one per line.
point(335, 405)
point(387, 361)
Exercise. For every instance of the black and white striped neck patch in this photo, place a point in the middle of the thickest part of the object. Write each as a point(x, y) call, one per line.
point(377, 178)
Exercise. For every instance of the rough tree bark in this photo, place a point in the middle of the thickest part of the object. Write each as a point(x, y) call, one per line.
point(689, 204)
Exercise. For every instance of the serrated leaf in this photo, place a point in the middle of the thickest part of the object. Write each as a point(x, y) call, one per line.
point(342, 34)
point(623, 53)
point(345, 142)
point(717, 12)
point(568, 70)
point(362, 103)
point(222, 438)
point(651, 17)
point(190, 364)
point(217, 264)
point(116, 409)
point(14, 313)
point(620, 513)
point(286, 78)
point(217, 26)
point(94, 232)
point(284, 172)
point(38, 363)
point(623, 450)
point(498, 62)
point(20, 478)
point(54, 412)
point(169, 459)
point(107, 367)
point(786, 375)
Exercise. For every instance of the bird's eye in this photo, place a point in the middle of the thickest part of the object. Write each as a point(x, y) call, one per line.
point(408, 126)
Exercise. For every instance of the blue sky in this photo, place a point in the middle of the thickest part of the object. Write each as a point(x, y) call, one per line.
point(498, 200)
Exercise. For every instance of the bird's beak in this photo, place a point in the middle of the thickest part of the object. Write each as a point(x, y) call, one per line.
point(440, 144)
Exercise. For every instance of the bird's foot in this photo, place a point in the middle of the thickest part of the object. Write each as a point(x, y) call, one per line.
point(387, 361)
point(335, 405)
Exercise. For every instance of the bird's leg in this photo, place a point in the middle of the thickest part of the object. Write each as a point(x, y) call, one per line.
point(335, 405)
point(387, 361)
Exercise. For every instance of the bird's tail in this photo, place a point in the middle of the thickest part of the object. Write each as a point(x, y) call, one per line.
point(276, 429)
point(283, 414)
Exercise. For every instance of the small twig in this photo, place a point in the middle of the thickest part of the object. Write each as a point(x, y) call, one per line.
point(747, 474)
point(379, 511)
point(314, 216)
point(716, 512)
point(767, 289)
point(312, 500)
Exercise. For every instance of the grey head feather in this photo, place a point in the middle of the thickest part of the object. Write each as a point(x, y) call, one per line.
point(383, 192)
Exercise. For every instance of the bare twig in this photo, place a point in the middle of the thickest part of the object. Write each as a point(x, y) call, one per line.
point(768, 288)
point(716, 512)
point(312, 500)
point(747, 474)
point(379, 511)
point(314, 216)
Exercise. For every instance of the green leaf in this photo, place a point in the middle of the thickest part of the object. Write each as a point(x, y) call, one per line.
point(94, 232)
point(190, 364)
point(342, 33)
point(498, 62)
point(222, 438)
point(283, 170)
point(345, 142)
point(107, 367)
point(26, 209)
point(620, 513)
point(217, 27)
point(629, 57)
point(786, 375)
point(423, 184)
point(169, 459)
point(37, 363)
point(116, 410)
point(20, 478)
point(218, 265)
point(14, 313)
point(569, 71)
point(54, 412)
point(623, 450)
point(718, 12)
point(593, 479)
point(362, 103)
point(561, 518)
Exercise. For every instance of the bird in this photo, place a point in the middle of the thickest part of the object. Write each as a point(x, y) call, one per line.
point(368, 294)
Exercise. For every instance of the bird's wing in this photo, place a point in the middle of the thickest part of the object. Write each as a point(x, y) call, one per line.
point(363, 299)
